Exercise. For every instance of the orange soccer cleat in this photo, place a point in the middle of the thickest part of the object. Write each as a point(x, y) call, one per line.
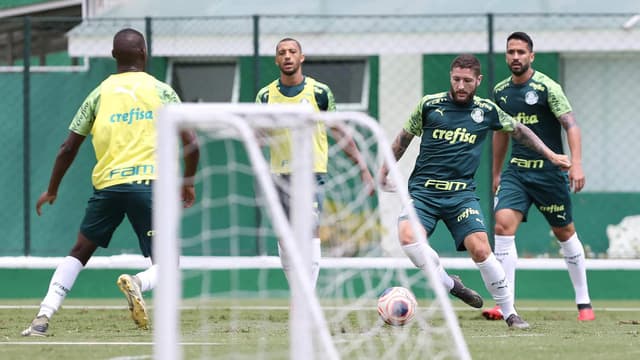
point(586, 315)
point(493, 314)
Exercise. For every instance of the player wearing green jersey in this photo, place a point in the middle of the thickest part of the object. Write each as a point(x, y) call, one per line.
point(539, 103)
point(121, 115)
point(293, 87)
point(453, 126)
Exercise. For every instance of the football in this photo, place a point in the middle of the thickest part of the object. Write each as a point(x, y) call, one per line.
point(397, 305)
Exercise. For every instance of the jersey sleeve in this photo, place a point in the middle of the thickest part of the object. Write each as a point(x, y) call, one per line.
point(414, 124)
point(167, 94)
point(499, 120)
point(324, 97)
point(85, 116)
point(263, 96)
point(507, 122)
point(558, 102)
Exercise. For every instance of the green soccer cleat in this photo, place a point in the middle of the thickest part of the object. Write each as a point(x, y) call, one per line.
point(38, 327)
point(131, 289)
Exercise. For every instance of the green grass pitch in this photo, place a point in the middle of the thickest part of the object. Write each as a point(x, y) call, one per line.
point(102, 329)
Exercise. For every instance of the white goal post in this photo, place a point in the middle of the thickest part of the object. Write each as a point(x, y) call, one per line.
point(311, 324)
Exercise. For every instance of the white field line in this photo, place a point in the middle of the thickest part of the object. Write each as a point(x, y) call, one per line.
point(91, 343)
point(280, 308)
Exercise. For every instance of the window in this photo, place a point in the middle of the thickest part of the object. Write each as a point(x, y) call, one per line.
point(199, 81)
point(347, 78)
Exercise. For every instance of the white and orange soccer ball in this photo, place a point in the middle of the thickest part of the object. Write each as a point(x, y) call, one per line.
point(397, 305)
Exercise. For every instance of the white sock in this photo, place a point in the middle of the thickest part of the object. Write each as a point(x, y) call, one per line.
point(316, 254)
point(61, 283)
point(284, 260)
point(506, 253)
point(496, 282)
point(418, 253)
point(574, 258)
point(148, 278)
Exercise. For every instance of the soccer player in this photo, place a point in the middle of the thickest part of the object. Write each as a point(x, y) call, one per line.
point(121, 114)
point(293, 87)
point(539, 103)
point(452, 126)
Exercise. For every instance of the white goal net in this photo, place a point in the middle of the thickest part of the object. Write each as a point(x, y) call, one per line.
point(222, 292)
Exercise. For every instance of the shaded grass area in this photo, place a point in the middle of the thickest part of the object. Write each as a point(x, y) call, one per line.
point(87, 329)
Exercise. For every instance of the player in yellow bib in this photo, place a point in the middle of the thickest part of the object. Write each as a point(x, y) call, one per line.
point(121, 115)
point(292, 87)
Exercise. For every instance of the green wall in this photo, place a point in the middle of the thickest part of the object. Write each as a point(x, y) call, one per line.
point(532, 284)
point(15, 3)
point(56, 96)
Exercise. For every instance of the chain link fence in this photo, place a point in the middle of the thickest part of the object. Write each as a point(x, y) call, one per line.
point(381, 65)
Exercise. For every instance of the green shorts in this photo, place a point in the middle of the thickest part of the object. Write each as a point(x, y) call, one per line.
point(106, 210)
point(548, 190)
point(461, 214)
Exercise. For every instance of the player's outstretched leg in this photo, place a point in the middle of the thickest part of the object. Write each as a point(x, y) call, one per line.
point(38, 327)
point(469, 296)
point(130, 287)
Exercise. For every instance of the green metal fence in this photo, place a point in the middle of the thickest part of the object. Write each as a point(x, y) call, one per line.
point(378, 64)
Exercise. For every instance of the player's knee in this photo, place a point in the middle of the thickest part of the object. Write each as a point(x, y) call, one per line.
point(507, 222)
point(564, 233)
point(405, 234)
point(480, 254)
point(504, 228)
point(478, 247)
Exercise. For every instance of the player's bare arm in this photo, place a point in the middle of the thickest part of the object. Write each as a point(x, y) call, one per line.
point(401, 143)
point(398, 148)
point(64, 159)
point(528, 138)
point(577, 178)
point(351, 150)
point(191, 151)
point(500, 145)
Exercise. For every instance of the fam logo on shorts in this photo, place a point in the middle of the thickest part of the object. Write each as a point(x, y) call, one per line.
point(477, 115)
point(531, 97)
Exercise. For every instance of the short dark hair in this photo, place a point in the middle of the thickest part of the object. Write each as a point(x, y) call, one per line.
point(289, 39)
point(519, 35)
point(129, 47)
point(128, 32)
point(467, 61)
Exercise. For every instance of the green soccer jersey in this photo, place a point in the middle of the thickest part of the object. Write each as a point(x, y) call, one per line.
point(451, 144)
point(537, 104)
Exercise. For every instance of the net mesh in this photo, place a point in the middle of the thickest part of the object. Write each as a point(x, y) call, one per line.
point(236, 301)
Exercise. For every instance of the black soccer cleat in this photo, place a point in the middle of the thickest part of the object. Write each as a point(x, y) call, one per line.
point(38, 327)
point(468, 296)
point(515, 322)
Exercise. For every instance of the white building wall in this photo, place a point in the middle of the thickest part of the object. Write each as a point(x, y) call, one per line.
point(400, 91)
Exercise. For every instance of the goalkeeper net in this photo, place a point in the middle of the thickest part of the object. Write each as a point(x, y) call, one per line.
point(222, 292)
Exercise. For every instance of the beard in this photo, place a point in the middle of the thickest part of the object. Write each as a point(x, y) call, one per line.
point(290, 72)
point(523, 69)
point(467, 100)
